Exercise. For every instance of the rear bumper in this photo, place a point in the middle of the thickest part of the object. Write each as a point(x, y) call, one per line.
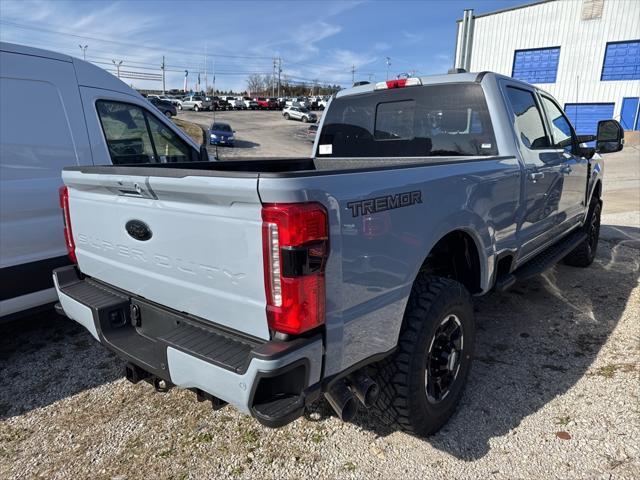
point(272, 381)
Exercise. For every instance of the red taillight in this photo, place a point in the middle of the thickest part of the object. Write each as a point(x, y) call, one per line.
point(399, 83)
point(68, 234)
point(295, 248)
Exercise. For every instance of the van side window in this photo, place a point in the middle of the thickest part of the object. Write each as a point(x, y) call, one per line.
point(528, 119)
point(133, 135)
point(561, 130)
point(169, 147)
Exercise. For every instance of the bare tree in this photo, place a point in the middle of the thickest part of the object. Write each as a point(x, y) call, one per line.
point(255, 84)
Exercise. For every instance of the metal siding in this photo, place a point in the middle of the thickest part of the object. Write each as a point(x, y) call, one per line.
point(582, 46)
point(585, 116)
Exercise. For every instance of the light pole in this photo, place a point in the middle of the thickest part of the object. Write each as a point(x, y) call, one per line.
point(84, 51)
point(117, 64)
point(388, 60)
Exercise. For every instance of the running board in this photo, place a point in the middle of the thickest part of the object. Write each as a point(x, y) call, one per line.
point(541, 262)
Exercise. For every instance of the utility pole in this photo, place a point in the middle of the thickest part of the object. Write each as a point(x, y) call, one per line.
point(279, 72)
point(162, 67)
point(84, 51)
point(117, 64)
point(353, 74)
point(388, 60)
point(206, 84)
point(273, 78)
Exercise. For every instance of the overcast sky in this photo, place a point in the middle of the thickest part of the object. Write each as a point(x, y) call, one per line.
point(316, 40)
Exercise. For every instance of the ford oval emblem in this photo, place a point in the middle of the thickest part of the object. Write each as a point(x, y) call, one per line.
point(138, 230)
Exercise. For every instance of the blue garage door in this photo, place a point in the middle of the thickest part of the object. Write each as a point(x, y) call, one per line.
point(585, 116)
point(629, 113)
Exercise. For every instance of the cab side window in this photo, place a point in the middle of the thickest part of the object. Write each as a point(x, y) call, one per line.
point(133, 136)
point(528, 118)
point(561, 131)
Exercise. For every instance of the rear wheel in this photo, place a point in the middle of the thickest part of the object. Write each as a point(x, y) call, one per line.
point(584, 254)
point(168, 113)
point(422, 383)
point(305, 119)
point(196, 108)
point(179, 107)
point(286, 116)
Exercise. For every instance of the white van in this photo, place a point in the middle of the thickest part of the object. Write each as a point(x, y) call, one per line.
point(55, 111)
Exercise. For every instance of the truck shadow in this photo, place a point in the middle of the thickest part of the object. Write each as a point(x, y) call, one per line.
point(45, 358)
point(534, 343)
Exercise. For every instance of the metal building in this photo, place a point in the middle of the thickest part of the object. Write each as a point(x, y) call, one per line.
point(586, 53)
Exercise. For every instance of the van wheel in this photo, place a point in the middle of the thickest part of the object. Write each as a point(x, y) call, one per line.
point(305, 119)
point(422, 383)
point(584, 254)
point(286, 116)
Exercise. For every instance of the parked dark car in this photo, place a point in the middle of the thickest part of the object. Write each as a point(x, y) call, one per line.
point(311, 132)
point(221, 104)
point(165, 107)
point(221, 134)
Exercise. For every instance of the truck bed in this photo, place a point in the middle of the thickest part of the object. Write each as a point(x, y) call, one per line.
point(253, 167)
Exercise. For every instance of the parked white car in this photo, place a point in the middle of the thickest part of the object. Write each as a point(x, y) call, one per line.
point(299, 113)
point(298, 102)
point(249, 103)
point(236, 103)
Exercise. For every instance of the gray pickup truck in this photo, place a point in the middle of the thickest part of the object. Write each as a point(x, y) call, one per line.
point(268, 283)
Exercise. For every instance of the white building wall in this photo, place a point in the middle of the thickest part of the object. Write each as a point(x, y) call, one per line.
point(582, 46)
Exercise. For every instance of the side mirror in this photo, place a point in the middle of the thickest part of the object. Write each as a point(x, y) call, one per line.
point(610, 137)
point(204, 153)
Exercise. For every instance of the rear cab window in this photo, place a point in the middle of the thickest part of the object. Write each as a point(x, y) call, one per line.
point(431, 120)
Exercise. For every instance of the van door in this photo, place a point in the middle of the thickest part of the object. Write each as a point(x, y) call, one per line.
point(543, 180)
point(42, 130)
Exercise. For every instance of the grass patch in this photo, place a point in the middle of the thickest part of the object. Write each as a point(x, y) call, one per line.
point(249, 436)
point(237, 471)
point(563, 420)
point(609, 371)
point(349, 467)
point(206, 437)
point(165, 453)
point(193, 130)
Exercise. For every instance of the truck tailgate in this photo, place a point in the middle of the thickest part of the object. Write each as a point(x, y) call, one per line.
point(204, 251)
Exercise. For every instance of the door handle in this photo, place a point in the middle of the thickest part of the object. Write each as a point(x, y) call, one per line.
point(535, 176)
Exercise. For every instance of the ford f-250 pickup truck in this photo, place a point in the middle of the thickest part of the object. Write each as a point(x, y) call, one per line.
point(267, 283)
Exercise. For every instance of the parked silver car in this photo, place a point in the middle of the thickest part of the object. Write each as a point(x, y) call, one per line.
point(299, 113)
point(196, 103)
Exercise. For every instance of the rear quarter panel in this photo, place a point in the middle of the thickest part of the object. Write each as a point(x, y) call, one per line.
point(374, 259)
